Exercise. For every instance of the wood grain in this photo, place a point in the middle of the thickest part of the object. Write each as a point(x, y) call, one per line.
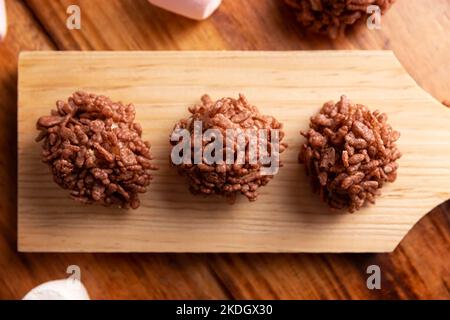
point(286, 218)
point(416, 30)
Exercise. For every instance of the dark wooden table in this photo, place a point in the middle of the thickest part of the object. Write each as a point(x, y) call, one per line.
point(417, 31)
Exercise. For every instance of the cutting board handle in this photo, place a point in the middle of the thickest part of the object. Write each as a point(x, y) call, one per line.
point(287, 217)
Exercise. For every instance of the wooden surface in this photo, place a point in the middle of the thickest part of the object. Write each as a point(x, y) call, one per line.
point(419, 267)
point(286, 217)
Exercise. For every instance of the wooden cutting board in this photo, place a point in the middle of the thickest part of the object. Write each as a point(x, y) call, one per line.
point(287, 217)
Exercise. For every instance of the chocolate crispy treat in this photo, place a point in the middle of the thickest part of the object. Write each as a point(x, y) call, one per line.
point(349, 154)
point(94, 149)
point(332, 17)
point(224, 178)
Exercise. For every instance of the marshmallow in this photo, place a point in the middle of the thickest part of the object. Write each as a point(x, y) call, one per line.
point(194, 9)
point(65, 289)
point(3, 21)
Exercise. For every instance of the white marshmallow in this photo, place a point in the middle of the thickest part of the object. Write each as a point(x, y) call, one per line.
point(65, 289)
point(3, 21)
point(194, 9)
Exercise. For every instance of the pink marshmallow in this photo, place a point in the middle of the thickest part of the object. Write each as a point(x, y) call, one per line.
point(194, 9)
point(3, 21)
